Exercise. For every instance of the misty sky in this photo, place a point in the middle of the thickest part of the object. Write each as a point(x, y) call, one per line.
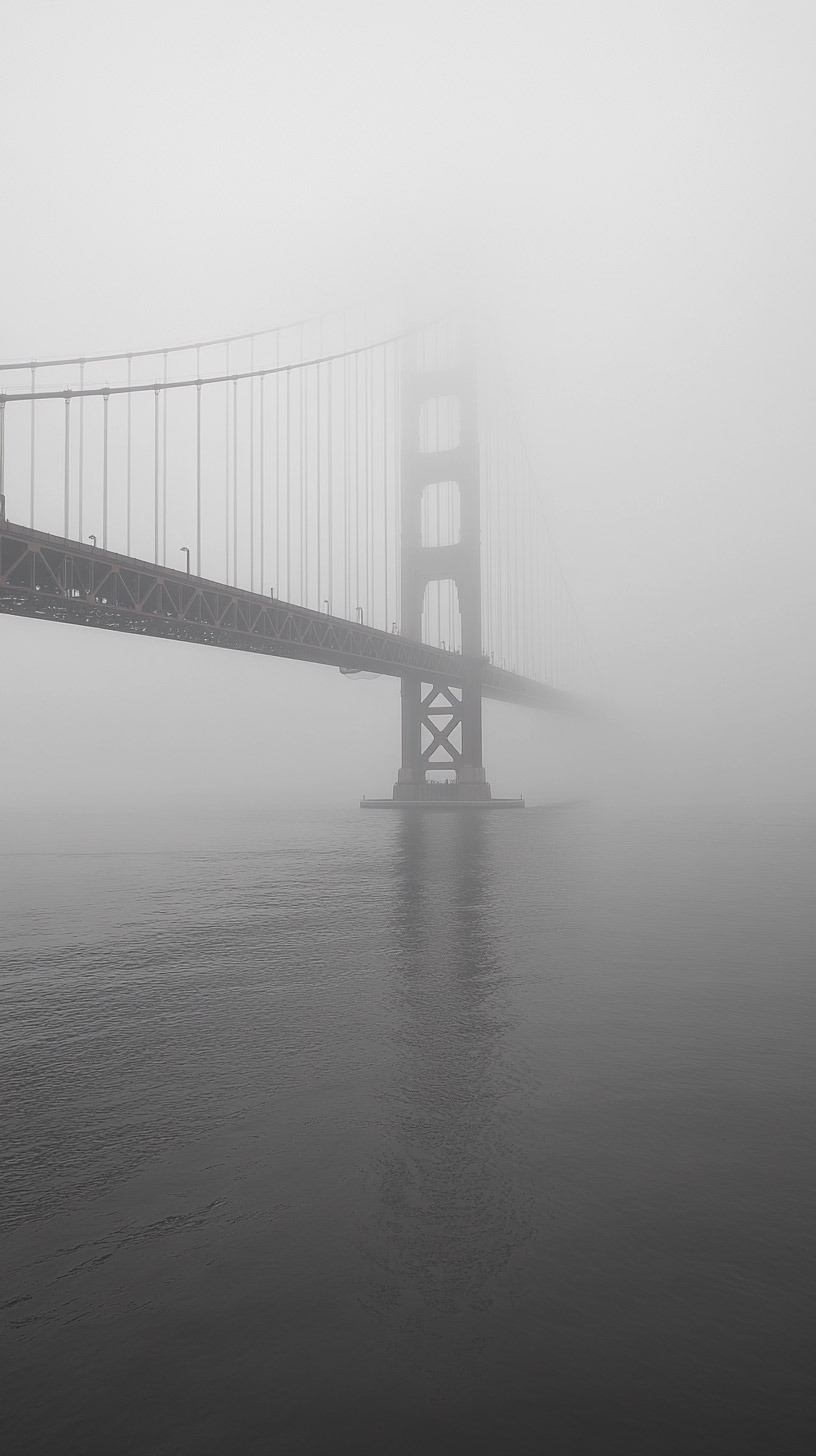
point(627, 186)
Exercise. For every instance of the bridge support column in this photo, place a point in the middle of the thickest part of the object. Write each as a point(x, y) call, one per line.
point(441, 723)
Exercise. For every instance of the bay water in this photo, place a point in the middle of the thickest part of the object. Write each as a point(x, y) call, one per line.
point(330, 1131)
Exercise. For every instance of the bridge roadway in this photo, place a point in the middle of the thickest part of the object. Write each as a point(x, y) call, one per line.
point(67, 581)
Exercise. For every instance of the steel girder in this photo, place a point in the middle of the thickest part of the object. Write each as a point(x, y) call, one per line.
point(65, 581)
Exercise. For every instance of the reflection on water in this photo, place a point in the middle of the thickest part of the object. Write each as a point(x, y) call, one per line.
point(446, 1219)
point(376, 1133)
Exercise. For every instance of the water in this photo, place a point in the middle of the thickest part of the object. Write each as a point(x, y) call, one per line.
point(440, 1134)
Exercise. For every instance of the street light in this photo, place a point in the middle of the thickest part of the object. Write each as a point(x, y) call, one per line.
point(92, 538)
point(360, 610)
point(186, 550)
point(326, 605)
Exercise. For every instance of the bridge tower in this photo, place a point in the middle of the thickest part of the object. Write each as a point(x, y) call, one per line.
point(438, 719)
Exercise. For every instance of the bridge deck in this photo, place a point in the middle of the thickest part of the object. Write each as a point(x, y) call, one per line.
point(67, 581)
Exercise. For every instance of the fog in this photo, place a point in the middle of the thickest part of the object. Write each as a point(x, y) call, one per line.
point(626, 189)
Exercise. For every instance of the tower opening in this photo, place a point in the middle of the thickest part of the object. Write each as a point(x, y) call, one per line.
point(441, 522)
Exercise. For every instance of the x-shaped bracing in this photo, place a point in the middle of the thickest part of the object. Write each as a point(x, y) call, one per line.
point(449, 708)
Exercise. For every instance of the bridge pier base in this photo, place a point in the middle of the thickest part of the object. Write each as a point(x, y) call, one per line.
point(437, 717)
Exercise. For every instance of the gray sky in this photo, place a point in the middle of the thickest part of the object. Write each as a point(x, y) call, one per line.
point(629, 186)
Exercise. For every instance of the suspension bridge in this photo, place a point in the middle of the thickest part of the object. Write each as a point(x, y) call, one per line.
point(341, 490)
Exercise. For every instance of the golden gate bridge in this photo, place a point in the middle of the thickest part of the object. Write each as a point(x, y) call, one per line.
point(339, 490)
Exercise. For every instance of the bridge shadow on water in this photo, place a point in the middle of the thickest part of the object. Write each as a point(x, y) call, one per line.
point(446, 1215)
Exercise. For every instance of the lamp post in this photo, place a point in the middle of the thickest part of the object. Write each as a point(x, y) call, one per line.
point(92, 538)
point(360, 610)
point(186, 551)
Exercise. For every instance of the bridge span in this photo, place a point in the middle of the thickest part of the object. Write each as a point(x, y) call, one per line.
point(57, 580)
point(364, 505)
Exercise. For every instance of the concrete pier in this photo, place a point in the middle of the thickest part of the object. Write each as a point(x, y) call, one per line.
point(439, 796)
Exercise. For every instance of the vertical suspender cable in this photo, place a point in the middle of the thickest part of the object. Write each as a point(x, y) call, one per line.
point(425, 538)
point(164, 466)
point(533, 586)
point(356, 480)
point(2, 459)
point(522, 576)
point(369, 484)
point(386, 617)
point(536, 606)
point(67, 455)
point(129, 400)
point(554, 597)
point(374, 494)
point(497, 539)
point(451, 599)
point(299, 377)
point(528, 629)
point(563, 632)
point(198, 459)
point(304, 487)
point(397, 485)
point(304, 505)
point(319, 598)
point(277, 471)
point(105, 403)
point(288, 486)
point(81, 441)
point(547, 624)
point(484, 507)
point(490, 506)
point(540, 674)
point(512, 570)
point(515, 550)
point(33, 402)
point(198, 478)
point(560, 635)
point(494, 506)
point(366, 489)
point(235, 482)
point(370, 470)
point(346, 492)
point(553, 623)
point(252, 465)
point(525, 580)
point(492, 497)
point(539, 567)
point(302, 472)
point(519, 549)
point(437, 541)
point(261, 474)
point(517, 566)
point(329, 486)
point(156, 394)
point(501, 522)
point(226, 472)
